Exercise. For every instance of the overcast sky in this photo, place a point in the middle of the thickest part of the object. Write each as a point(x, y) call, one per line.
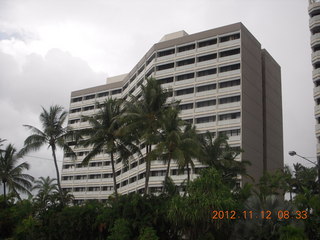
point(50, 48)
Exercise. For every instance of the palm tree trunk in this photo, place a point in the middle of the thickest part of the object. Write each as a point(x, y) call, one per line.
point(114, 176)
point(4, 193)
point(53, 148)
point(148, 167)
point(167, 174)
point(188, 170)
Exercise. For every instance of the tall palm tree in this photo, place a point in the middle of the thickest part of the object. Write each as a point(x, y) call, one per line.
point(190, 147)
point(170, 138)
point(144, 116)
point(53, 133)
point(46, 187)
point(11, 173)
point(104, 135)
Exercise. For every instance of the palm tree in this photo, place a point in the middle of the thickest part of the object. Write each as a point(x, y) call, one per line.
point(144, 116)
point(190, 147)
point(170, 138)
point(12, 175)
point(53, 134)
point(218, 154)
point(104, 135)
point(46, 187)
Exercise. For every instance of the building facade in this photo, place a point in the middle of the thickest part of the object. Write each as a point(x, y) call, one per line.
point(314, 25)
point(226, 84)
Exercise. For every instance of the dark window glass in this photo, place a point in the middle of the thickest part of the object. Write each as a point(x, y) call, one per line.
point(206, 88)
point(229, 83)
point(184, 91)
point(207, 43)
point(207, 57)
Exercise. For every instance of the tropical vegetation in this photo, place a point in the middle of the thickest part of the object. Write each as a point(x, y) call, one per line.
point(284, 204)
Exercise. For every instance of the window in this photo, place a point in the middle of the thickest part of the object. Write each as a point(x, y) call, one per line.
point(206, 87)
point(117, 91)
point(206, 119)
point(186, 48)
point(88, 108)
point(89, 97)
point(140, 70)
point(165, 80)
point(107, 188)
point(107, 175)
point(74, 121)
point(94, 176)
point(229, 68)
point(206, 103)
point(186, 62)
point(133, 165)
point(186, 106)
point(124, 183)
point(318, 101)
point(207, 57)
point(206, 72)
point(207, 43)
point(95, 164)
point(158, 173)
point(104, 94)
point(77, 99)
point(229, 52)
point(75, 110)
point(165, 66)
point(189, 121)
point(229, 99)
point(133, 179)
point(185, 76)
point(230, 37)
point(166, 52)
point(79, 189)
point(184, 91)
point(229, 83)
point(150, 59)
point(317, 83)
point(229, 116)
point(93, 189)
point(150, 72)
point(229, 133)
point(106, 163)
point(141, 175)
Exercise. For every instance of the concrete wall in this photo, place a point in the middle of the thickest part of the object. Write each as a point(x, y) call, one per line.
point(273, 130)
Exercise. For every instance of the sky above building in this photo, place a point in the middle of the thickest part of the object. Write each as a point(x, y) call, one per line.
point(50, 48)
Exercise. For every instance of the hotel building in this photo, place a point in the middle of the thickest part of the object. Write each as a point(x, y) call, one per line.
point(226, 84)
point(314, 25)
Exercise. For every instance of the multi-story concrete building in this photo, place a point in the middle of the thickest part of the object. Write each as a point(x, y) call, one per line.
point(314, 25)
point(226, 84)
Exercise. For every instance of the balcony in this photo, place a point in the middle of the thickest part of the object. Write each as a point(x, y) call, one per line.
point(229, 73)
point(205, 125)
point(184, 67)
point(316, 91)
point(207, 48)
point(315, 56)
point(229, 43)
point(206, 109)
point(229, 105)
point(229, 89)
point(207, 77)
point(314, 39)
point(313, 6)
point(165, 71)
point(316, 73)
point(314, 21)
point(184, 53)
point(228, 58)
point(186, 81)
point(206, 93)
point(209, 62)
point(164, 58)
point(229, 122)
point(316, 109)
point(317, 128)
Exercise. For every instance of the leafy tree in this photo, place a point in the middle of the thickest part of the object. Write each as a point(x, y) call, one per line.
point(263, 227)
point(144, 116)
point(192, 213)
point(12, 174)
point(53, 133)
point(120, 230)
point(148, 233)
point(104, 135)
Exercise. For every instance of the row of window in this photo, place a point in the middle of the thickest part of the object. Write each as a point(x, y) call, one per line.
point(203, 88)
point(98, 95)
point(199, 44)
